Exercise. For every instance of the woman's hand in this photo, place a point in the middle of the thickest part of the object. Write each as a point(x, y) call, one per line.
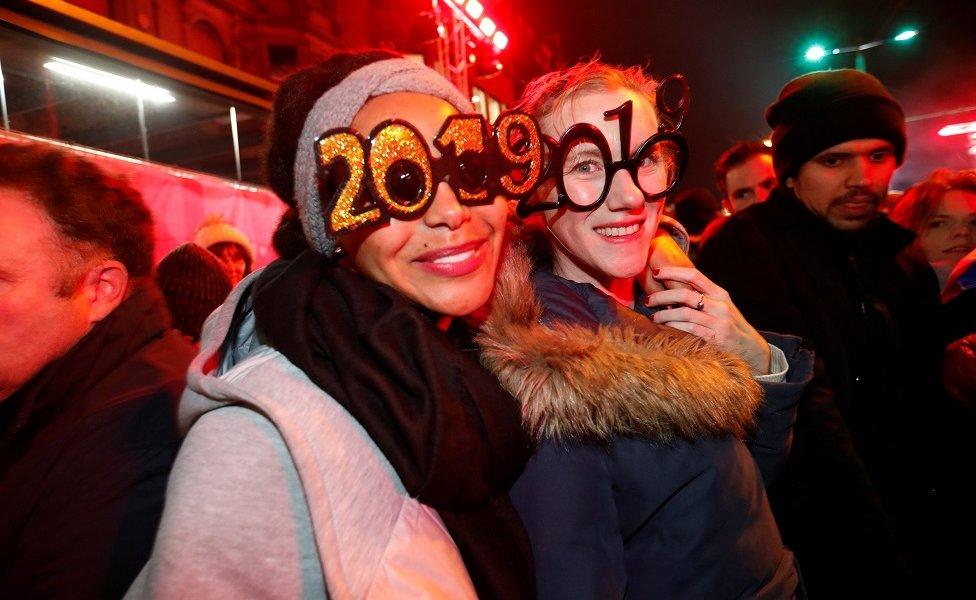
point(665, 252)
point(704, 309)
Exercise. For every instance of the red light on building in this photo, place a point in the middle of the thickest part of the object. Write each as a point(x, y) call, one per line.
point(499, 40)
point(474, 8)
point(958, 129)
point(487, 26)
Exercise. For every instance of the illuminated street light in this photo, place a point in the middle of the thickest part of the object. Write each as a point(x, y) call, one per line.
point(133, 87)
point(470, 12)
point(816, 52)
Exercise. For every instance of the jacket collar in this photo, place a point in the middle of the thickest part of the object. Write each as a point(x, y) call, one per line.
point(577, 383)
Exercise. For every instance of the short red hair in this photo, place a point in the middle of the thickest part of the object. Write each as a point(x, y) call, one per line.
point(921, 201)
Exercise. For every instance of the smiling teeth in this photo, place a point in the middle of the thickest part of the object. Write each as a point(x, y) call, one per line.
point(453, 258)
point(617, 231)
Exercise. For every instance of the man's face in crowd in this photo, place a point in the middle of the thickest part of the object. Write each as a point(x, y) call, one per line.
point(750, 182)
point(42, 315)
point(846, 183)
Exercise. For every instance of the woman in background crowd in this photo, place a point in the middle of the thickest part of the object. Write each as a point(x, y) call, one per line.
point(229, 244)
point(942, 211)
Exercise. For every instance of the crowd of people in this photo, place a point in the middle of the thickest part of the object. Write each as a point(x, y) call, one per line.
point(488, 364)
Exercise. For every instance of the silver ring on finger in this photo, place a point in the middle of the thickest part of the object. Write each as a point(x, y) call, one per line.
point(701, 302)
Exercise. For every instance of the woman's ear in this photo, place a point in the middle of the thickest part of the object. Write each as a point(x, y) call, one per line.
point(105, 286)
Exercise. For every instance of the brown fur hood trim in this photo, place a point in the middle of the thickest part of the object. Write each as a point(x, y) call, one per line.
point(575, 383)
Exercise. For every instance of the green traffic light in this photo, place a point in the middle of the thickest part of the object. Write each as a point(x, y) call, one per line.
point(815, 52)
point(906, 35)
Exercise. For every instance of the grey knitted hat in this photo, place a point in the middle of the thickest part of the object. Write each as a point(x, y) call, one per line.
point(337, 107)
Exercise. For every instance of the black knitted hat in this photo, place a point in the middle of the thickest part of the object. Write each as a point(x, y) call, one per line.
point(825, 108)
point(194, 283)
point(293, 101)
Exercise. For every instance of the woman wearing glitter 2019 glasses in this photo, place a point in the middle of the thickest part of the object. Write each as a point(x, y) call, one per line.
point(653, 443)
point(343, 440)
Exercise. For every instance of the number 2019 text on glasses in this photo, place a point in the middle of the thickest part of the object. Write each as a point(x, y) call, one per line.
point(391, 173)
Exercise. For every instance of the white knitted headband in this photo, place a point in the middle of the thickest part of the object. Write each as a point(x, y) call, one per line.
point(336, 108)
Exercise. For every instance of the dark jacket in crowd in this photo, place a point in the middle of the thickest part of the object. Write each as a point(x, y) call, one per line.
point(870, 460)
point(86, 448)
point(619, 499)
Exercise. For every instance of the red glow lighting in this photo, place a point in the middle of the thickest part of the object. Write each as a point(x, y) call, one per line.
point(500, 40)
point(958, 129)
point(487, 26)
point(474, 8)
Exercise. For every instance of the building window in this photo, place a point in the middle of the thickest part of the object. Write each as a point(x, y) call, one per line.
point(205, 39)
point(193, 131)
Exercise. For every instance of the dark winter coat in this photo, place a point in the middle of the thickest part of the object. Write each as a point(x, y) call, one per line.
point(853, 498)
point(641, 485)
point(86, 447)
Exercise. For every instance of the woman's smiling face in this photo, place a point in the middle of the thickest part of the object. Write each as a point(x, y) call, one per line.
point(612, 241)
point(446, 259)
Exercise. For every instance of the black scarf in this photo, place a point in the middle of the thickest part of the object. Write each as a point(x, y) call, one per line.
point(451, 433)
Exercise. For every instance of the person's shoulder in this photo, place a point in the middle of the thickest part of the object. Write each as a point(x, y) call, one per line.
point(740, 237)
point(757, 218)
point(157, 370)
point(228, 448)
point(711, 229)
point(233, 430)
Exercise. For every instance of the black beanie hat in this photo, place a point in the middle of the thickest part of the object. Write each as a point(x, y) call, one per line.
point(825, 108)
point(293, 101)
point(194, 283)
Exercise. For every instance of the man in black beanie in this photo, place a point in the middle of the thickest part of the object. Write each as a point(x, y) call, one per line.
point(859, 498)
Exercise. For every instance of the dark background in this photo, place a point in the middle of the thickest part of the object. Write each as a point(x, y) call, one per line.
point(738, 55)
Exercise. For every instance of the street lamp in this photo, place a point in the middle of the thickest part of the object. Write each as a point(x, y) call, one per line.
point(817, 52)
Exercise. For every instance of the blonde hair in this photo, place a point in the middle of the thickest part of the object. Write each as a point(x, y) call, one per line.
point(545, 95)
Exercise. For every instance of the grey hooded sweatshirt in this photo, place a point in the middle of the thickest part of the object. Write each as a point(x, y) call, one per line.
point(279, 492)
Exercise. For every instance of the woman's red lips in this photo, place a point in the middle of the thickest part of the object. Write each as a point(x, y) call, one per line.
point(450, 250)
point(454, 261)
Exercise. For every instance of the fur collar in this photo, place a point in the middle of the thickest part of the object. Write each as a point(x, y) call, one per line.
point(576, 383)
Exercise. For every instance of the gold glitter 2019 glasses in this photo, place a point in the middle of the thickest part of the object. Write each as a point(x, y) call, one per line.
point(392, 174)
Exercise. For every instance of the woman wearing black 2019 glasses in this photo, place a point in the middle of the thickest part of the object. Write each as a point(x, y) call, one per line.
point(653, 443)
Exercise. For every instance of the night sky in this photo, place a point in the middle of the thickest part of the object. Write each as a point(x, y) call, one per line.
point(738, 55)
